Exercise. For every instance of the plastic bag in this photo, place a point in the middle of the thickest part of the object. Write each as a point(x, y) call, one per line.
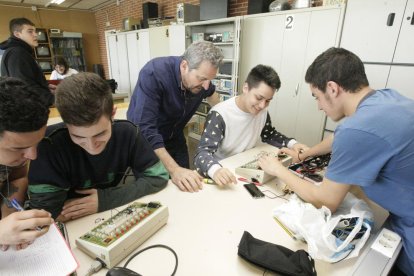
point(330, 237)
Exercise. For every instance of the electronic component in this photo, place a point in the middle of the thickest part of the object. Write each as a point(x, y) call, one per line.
point(253, 190)
point(226, 85)
point(252, 170)
point(311, 168)
point(114, 239)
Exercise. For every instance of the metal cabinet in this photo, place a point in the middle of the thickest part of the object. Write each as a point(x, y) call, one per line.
point(138, 54)
point(381, 33)
point(118, 61)
point(289, 41)
point(128, 52)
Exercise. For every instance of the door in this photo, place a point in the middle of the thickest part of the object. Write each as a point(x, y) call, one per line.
point(401, 79)
point(295, 36)
point(371, 28)
point(404, 52)
point(176, 40)
point(123, 83)
point(159, 42)
point(323, 33)
point(138, 54)
point(261, 43)
point(113, 57)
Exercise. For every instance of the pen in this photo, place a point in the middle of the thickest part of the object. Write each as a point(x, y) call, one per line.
point(19, 208)
point(285, 228)
point(208, 181)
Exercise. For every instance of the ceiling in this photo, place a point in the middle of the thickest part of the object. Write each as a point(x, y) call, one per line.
point(91, 5)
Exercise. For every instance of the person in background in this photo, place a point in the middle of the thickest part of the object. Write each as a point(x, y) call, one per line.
point(237, 124)
point(21, 129)
point(18, 59)
point(168, 93)
point(373, 148)
point(62, 69)
point(82, 163)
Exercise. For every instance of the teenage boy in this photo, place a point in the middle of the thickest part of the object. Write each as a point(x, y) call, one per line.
point(18, 59)
point(82, 163)
point(238, 124)
point(373, 148)
point(168, 93)
point(22, 125)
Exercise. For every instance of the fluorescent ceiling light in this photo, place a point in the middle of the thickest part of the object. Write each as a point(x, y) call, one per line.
point(57, 2)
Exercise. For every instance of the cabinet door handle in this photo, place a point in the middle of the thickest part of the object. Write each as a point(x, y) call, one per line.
point(412, 19)
point(390, 19)
point(296, 89)
point(167, 34)
point(137, 36)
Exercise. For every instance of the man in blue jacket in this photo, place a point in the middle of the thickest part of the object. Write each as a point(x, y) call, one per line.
point(168, 93)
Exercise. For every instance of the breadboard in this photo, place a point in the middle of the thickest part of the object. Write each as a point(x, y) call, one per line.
point(114, 239)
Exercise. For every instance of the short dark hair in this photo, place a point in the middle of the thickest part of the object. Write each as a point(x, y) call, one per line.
point(263, 73)
point(16, 24)
point(20, 107)
point(83, 98)
point(338, 65)
point(62, 62)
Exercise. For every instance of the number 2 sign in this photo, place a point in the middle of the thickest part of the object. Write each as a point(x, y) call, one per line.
point(289, 22)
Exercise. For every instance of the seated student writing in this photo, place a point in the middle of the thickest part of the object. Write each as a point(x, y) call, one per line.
point(236, 125)
point(21, 129)
point(80, 164)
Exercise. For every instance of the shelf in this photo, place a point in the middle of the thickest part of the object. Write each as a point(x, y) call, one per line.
point(223, 76)
point(227, 93)
point(227, 60)
point(223, 43)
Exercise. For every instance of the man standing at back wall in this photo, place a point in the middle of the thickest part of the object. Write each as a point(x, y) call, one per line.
point(168, 93)
point(18, 60)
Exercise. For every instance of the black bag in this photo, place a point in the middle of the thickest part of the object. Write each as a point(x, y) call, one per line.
point(275, 257)
point(113, 84)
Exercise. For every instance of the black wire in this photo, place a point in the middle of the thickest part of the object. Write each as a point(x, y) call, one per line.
point(275, 195)
point(154, 246)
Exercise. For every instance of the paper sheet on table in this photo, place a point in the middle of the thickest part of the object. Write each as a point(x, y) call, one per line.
point(48, 255)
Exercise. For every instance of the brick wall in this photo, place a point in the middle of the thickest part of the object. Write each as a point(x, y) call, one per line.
point(133, 8)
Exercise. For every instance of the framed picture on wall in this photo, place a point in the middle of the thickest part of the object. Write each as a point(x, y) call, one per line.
point(42, 36)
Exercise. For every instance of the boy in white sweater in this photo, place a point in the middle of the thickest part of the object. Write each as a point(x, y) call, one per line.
point(235, 125)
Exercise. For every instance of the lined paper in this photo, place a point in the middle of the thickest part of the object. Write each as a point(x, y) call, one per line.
point(48, 255)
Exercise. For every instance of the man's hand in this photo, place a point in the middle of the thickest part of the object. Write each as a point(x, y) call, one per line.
point(19, 228)
point(80, 207)
point(187, 180)
point(298, 147)
point(224, 177)
point(270, 164)
point(298, 152)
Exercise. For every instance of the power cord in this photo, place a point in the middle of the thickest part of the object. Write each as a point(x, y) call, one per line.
point(155, 246)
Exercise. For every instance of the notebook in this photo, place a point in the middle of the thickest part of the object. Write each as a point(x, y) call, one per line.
point(48, 255)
